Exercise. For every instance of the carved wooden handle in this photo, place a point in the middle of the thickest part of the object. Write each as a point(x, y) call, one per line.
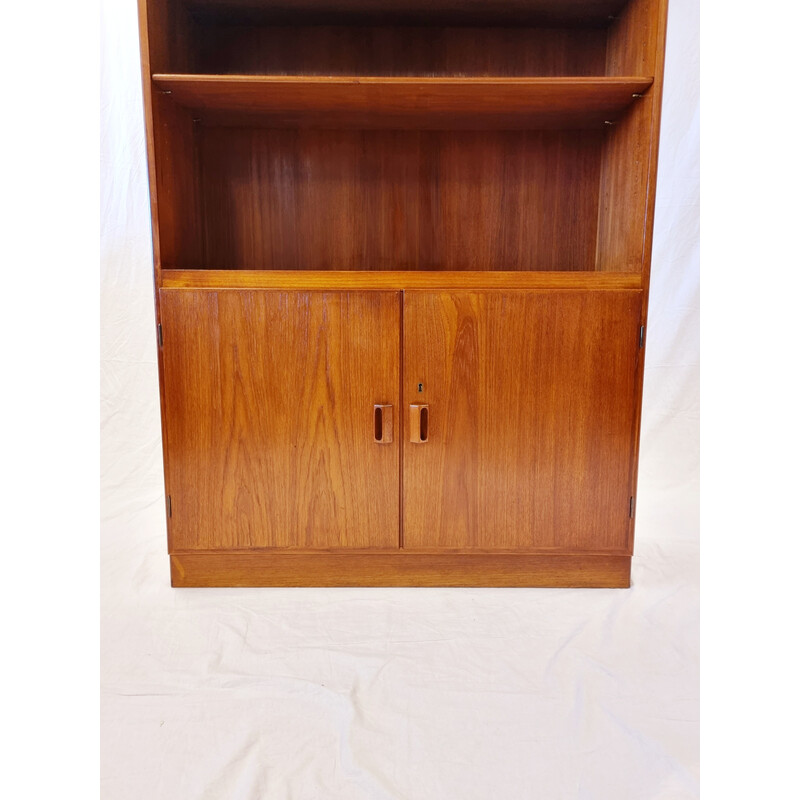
point(383, 424)
point(419, 424)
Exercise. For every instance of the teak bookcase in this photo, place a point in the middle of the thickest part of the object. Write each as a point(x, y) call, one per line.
point(402, 257)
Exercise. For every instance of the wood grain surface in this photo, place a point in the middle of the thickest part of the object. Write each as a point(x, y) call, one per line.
point(269, 418)
point(627, 177)
point(409, 102)
point(531, 400)
point(624, 184)
point(429, 12)
point(633, 38)
point(178, 183)
point(383, 279)
point(353, 199)
point(418, 50)
point(656, 32)
point(399, 200)
point(399, 569)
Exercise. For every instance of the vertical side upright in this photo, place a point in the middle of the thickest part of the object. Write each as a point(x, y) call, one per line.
point(171, 139)
point(401, 427)
point(171, 161)
point(152, 17)
point(151, 11)
point(630, 153)
point(636, 46)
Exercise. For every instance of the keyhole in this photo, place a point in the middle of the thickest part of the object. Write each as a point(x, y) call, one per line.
point(419, 387)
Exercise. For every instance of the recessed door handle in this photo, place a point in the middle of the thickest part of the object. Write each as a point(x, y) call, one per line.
point(383, 424)
point(419, 423)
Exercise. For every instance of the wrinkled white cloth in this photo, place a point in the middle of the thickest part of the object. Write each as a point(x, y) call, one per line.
point(397, 693)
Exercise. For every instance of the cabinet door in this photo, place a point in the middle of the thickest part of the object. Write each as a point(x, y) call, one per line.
point(270, 422)
point(531, 419)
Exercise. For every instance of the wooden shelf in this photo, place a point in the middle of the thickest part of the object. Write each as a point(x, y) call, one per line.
point(364, 280)
point(418, 102)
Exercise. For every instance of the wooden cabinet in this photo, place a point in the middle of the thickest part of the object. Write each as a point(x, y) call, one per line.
point(402, 257)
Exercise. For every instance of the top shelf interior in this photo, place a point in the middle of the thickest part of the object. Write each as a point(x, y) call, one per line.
point(412, 38)
point(460, 12)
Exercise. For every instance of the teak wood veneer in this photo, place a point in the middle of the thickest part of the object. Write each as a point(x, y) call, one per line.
point(402, 259)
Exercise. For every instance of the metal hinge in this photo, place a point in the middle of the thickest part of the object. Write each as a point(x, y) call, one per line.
point(641, 336)
point(160, 336)
point(630, 510)
point(169, 505)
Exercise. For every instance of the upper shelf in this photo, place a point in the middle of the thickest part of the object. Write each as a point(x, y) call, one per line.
point(409, 102)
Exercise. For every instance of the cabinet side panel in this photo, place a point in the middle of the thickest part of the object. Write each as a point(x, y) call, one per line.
point(630, 152)
point(151, 23)
point(637, 42)
point(178, 181)
point(270, 418)
point(633, 39)
point(164, 28)
point(531, 399)
point(171, 35)
point(624, 183)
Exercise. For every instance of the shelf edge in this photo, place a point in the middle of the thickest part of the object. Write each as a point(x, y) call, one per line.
point(364, 280)
point(401, 80)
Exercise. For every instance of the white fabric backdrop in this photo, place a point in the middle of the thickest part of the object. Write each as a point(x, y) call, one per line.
point(356, 693)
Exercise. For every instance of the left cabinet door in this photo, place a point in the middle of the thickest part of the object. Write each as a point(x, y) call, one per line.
point(270, 421)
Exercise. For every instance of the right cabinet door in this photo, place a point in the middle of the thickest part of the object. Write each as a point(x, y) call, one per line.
point(527, 404)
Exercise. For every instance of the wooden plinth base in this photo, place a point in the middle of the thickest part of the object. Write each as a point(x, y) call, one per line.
point(398, 569)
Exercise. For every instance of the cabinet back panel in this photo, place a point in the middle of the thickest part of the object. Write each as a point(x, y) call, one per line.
point(399, 200)
point(403, 50)
point(463, 12)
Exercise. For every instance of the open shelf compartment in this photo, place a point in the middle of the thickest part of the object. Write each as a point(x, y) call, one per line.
point(435, 38)
point(503, 136)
